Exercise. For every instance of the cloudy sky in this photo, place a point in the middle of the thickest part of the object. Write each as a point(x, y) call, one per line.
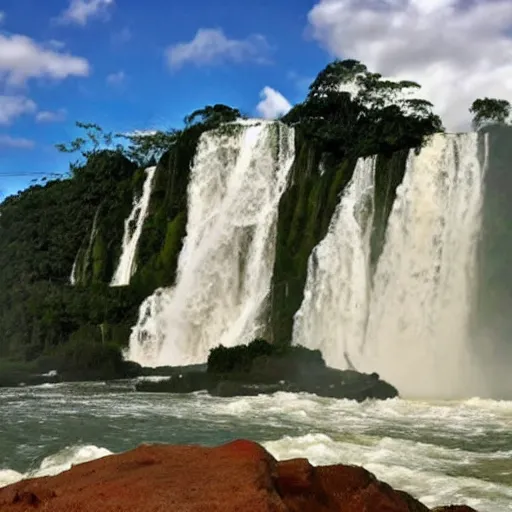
point(131, 65)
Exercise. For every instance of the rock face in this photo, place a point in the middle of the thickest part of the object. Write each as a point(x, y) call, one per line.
point(332, 383)
point(237, 477)
point(262, 368)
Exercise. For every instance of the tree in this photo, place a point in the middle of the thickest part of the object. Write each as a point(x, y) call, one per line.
point(350, 111)
point(95, 140)
point(146, 148)
point(490, 111)
point(336, 75)
point(212, 116)
point(367, 88)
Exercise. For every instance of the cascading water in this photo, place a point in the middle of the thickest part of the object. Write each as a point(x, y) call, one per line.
point(72, 277)
point(416, 335)
point(226, 264)
point(126, 266)
point(82, 259)
point(333, 315)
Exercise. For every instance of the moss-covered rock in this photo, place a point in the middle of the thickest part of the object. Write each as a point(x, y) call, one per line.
point(262, 368)
point(164, 230)
point(389, 174)
point(305, 212)
point(117, 181)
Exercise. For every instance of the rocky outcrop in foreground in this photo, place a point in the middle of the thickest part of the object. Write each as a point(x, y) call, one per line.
point(237, 477)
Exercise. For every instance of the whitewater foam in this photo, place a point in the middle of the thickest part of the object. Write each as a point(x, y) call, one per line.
point(56, 463)
point(421, 469)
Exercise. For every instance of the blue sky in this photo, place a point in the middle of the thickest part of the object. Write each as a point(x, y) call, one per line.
point(130, 65)
point(125, 79)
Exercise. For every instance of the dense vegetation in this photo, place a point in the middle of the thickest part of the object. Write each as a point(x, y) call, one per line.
point(490, 111)
point(46, 230)
point(351, 112)
point(240, 359)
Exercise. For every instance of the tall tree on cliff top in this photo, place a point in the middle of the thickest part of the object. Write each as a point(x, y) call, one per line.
point(490, 111)
point(146, 148)
point(95, 140)
point(143, 148)
point(351, 111)
point(212, 116)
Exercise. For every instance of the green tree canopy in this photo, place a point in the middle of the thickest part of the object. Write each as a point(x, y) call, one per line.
point(489, 111)
point(352, 111)
point(212, 115)
point(145, 148)
point(94, 141)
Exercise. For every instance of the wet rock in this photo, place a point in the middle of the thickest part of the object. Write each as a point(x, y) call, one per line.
point(260, 368)
point(454, 508)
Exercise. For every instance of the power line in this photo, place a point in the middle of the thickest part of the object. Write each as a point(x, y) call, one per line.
point(17, 175)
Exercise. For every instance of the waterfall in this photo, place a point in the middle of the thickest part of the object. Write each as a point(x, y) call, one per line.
point(421, 302)
point(83, 256)
point(72, 277)
point(225, 267)
point(132, 230)
point(333, 314)
point(416, 335)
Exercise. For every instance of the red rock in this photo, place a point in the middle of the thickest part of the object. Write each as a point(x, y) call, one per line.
point(237, 477)
point(357, 490)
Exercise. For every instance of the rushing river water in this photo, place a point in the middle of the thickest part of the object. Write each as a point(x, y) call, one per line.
point(441, 452)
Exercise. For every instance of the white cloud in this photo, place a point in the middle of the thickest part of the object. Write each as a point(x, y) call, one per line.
point(273, 104)
point(456, 49)
point(116, 78)
point(48, 116)
point(12, 107)
point(22, 58)
point(15, 142)
point(80, 11)
point(211, 46)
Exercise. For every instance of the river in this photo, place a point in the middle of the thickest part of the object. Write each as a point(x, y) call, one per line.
point(441, 452)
